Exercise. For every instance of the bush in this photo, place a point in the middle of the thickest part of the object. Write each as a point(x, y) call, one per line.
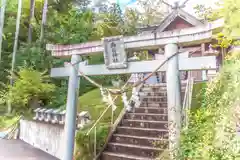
point(30, 87)
point(85, 143)
point(211, 134)
point(198, 95)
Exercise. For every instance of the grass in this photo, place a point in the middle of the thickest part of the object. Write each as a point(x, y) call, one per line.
point(92, 102)
point(7, 121)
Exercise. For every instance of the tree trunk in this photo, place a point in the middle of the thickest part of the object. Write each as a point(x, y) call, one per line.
point(15, 45)
point(44, 20)
point(31, 16)
point(3, 6)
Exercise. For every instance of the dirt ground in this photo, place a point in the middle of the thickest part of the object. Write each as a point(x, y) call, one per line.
point(19, 150)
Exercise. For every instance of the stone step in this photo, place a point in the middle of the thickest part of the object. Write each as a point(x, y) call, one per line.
point(156, 110)
point(158, 89)
point(160, 85)
point(142, 94)
point(136, 150)
point(154, 99)
point(143, 141)
point(149, 116)
point(145, 124)
point(152, 104)
point(155, 85)
point(144, 132)
point(118, 156)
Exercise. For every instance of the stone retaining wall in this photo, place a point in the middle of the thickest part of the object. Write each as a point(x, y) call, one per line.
point(46, 137)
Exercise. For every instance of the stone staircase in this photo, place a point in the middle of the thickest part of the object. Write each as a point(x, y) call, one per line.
point(142, 133)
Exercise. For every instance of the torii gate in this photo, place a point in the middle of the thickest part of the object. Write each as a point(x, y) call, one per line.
point(116, 63)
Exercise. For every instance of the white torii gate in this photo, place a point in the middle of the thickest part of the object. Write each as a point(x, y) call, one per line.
point(170, 43)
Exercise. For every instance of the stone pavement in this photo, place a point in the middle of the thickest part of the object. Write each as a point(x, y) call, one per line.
point(19, 150)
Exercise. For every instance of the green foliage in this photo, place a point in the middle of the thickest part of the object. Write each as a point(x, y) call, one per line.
point(207, 13)
point(150, 12)
point(30, 85)
point(223, 41)
point(231, 13)
point(65, 25)
point(33, 56)
point(85, 143)
point(229, 10)
point(198, 95)
point(7, 121)
point(211, 134)
point(92, 102)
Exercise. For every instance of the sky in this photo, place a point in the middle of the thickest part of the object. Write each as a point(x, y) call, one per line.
point(188, 8)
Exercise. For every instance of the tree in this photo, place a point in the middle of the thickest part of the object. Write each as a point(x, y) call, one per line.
point(131, 21)
point(207, 13)
point(226, 9)
point(31, 16)
point(44, 19)
point(30, 87)
point(15, 47)
point(3, 6)
point(151, 11)
point(231, 13)
point(66, 25)
point(116, 13)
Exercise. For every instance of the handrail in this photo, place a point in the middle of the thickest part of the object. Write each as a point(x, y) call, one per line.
point(122, 113)
point(113, 124)
point(103, 113)
point(106, 109)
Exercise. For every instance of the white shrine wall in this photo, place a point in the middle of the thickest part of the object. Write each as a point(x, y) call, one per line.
point(46, 137)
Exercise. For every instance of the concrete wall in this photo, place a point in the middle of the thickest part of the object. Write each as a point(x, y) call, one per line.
point(46, 137)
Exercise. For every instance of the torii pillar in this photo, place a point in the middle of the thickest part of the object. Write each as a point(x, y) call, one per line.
point(71, 109)
point(174, 99)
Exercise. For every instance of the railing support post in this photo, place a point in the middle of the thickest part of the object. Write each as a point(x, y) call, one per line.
point(174, 100)
point(71, 110)
point(95, 142)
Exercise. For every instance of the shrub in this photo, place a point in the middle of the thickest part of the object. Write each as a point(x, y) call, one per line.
point(85, 143)
point(30, 87)
point(211, 134)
